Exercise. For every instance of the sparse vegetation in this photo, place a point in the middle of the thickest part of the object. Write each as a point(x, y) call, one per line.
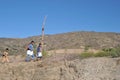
point(115, 52)
point(106, 52)
point(86, 48)
point(44, 53)
point(86, 54)
point(101, 54)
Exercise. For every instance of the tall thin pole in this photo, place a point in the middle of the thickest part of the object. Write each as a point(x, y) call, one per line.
point(43, 25)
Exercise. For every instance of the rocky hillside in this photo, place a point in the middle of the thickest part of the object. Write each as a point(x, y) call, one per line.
point(62, 67)
point(81, 39)
point(72, 40)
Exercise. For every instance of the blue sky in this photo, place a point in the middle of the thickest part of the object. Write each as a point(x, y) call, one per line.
point(23, 18)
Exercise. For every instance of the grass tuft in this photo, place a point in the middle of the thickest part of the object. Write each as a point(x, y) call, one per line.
point(86, 55)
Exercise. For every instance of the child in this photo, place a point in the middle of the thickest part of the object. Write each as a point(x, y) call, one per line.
point(5, 56)
point(39, 52)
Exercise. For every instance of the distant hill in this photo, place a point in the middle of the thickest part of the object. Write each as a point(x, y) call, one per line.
point(71, 40)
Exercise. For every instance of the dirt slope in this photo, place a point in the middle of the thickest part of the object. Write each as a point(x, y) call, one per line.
point(62, 67)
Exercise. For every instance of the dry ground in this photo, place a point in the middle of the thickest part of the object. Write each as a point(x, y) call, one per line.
point(61, 67)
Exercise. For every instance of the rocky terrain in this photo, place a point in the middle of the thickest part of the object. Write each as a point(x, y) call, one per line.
point(61, 67)
point(62, 60)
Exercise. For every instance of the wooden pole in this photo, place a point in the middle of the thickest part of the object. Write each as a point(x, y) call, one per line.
point(42, 42)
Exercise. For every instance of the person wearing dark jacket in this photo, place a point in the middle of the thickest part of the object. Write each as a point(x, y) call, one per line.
point(39, 52)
